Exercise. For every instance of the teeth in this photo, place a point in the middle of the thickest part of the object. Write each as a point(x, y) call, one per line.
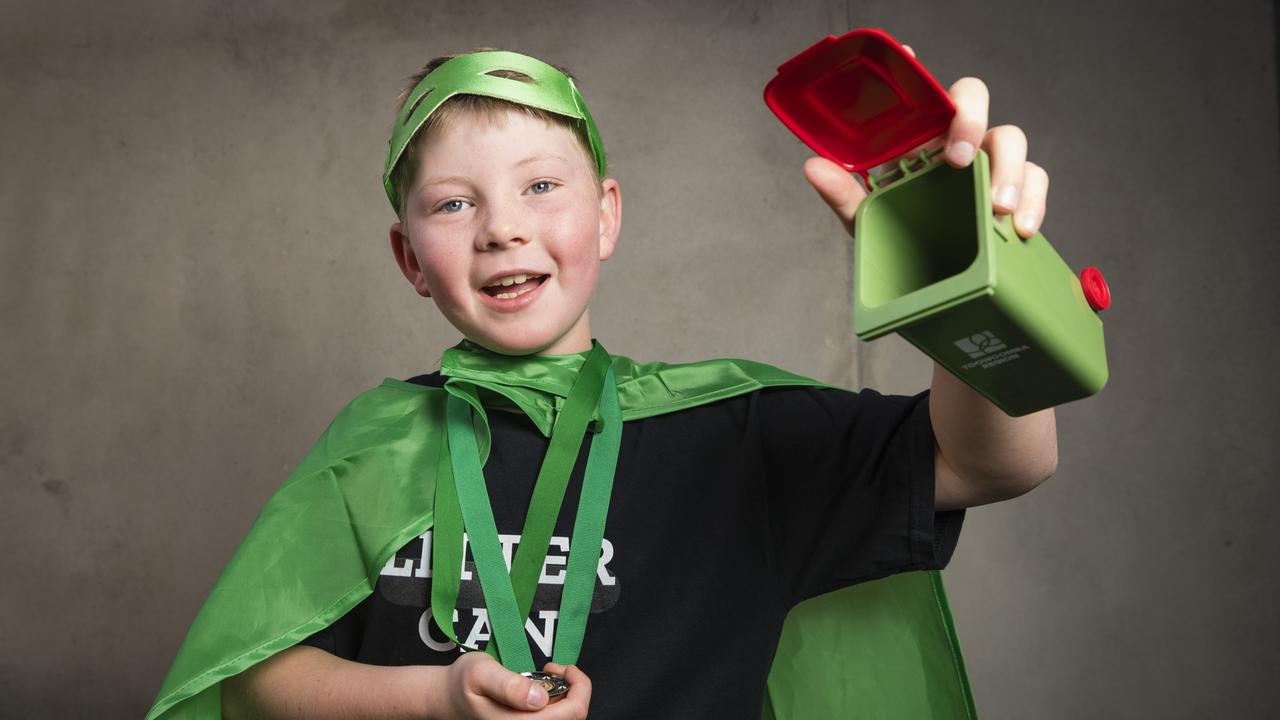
point(511, 280)
point(509, 295)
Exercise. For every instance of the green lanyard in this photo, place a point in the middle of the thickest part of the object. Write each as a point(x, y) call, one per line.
point(463, 500)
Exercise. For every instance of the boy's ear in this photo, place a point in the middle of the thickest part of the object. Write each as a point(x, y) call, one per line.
point(408, 260)
point(610, 216)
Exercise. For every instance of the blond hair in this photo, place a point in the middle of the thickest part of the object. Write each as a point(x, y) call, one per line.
point(492, 109)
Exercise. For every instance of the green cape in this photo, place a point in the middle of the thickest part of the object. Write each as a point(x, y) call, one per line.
point(884, 649)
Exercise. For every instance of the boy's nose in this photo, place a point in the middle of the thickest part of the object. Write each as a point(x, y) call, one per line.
point(503, 229)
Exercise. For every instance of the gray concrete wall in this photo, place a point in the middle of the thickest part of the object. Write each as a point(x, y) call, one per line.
point(194, 278)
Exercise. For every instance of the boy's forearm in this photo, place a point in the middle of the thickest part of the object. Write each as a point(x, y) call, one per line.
point(306, 682)
point(991, 456)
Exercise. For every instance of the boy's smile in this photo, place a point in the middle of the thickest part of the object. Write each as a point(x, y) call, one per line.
point(505, 228)
point(513, 286)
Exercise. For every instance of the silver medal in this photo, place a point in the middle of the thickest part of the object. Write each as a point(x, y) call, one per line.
point(555, 685)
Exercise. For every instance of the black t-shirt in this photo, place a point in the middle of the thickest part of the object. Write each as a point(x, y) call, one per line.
point(722, 518)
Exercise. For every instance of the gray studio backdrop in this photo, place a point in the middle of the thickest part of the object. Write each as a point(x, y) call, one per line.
point(194, 277)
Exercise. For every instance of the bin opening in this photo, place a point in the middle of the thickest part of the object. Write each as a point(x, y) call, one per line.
point(917, 237)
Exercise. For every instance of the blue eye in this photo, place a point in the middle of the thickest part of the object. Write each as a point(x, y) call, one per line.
point(453, 206)
point(541, 187)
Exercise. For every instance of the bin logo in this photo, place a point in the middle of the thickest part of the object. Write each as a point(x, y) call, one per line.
point(980, 345)
point(987, 351)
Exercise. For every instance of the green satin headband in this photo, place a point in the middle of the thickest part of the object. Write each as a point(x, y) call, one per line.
point(551, 90)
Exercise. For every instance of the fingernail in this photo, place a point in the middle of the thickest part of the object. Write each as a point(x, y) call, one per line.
point(1007, 196)
point(961, 153)
point(1027, 222)
point(537, 696)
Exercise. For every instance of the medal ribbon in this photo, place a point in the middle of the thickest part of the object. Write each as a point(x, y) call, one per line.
point(462, 500)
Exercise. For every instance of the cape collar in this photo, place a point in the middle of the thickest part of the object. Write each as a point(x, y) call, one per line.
point(552, 374)
point(536, 385)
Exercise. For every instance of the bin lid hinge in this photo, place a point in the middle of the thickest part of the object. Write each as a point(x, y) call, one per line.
point(905, 166)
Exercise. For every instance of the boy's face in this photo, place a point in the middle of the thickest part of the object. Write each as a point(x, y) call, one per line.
point(505, 228)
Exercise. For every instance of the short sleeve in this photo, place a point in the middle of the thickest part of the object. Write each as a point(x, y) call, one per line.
point(344, 636)
point(850, 484)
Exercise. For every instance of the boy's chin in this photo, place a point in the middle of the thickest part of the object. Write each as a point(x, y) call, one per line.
point(533, 336)
point(512, 349)
point(530, 346)
point(509, 351)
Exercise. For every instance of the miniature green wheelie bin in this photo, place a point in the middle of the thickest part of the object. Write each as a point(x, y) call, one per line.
point(932, 263)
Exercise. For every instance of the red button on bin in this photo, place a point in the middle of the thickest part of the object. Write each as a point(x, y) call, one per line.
point(1095, 288)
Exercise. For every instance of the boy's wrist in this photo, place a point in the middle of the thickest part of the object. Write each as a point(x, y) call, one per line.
point(425, 691)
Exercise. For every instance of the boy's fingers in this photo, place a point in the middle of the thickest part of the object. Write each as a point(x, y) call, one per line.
point(507, 688)
point(578, 699)
point(837, 188)
point(964, 137)
point(1007, 146)
point(1035, 194)
point(577, 678)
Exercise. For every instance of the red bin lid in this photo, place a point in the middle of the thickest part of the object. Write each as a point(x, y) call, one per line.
point(859, 100)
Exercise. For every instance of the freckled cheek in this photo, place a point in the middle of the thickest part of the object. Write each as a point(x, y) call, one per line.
point(445, 269)
point(579, 244)
point(578, 272)
point(579, 278)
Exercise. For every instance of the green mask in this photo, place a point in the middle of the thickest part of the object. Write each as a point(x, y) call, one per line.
point(551, 90)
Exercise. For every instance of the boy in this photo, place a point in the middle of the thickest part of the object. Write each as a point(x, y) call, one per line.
point(732, 492)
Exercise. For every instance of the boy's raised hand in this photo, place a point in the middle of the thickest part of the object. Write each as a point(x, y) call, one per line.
point(1018, 187)
point(477, 686)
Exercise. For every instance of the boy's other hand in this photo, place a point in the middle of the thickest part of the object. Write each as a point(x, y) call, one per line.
point(1018, 187)
point(477, 686)
point(579, 686)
